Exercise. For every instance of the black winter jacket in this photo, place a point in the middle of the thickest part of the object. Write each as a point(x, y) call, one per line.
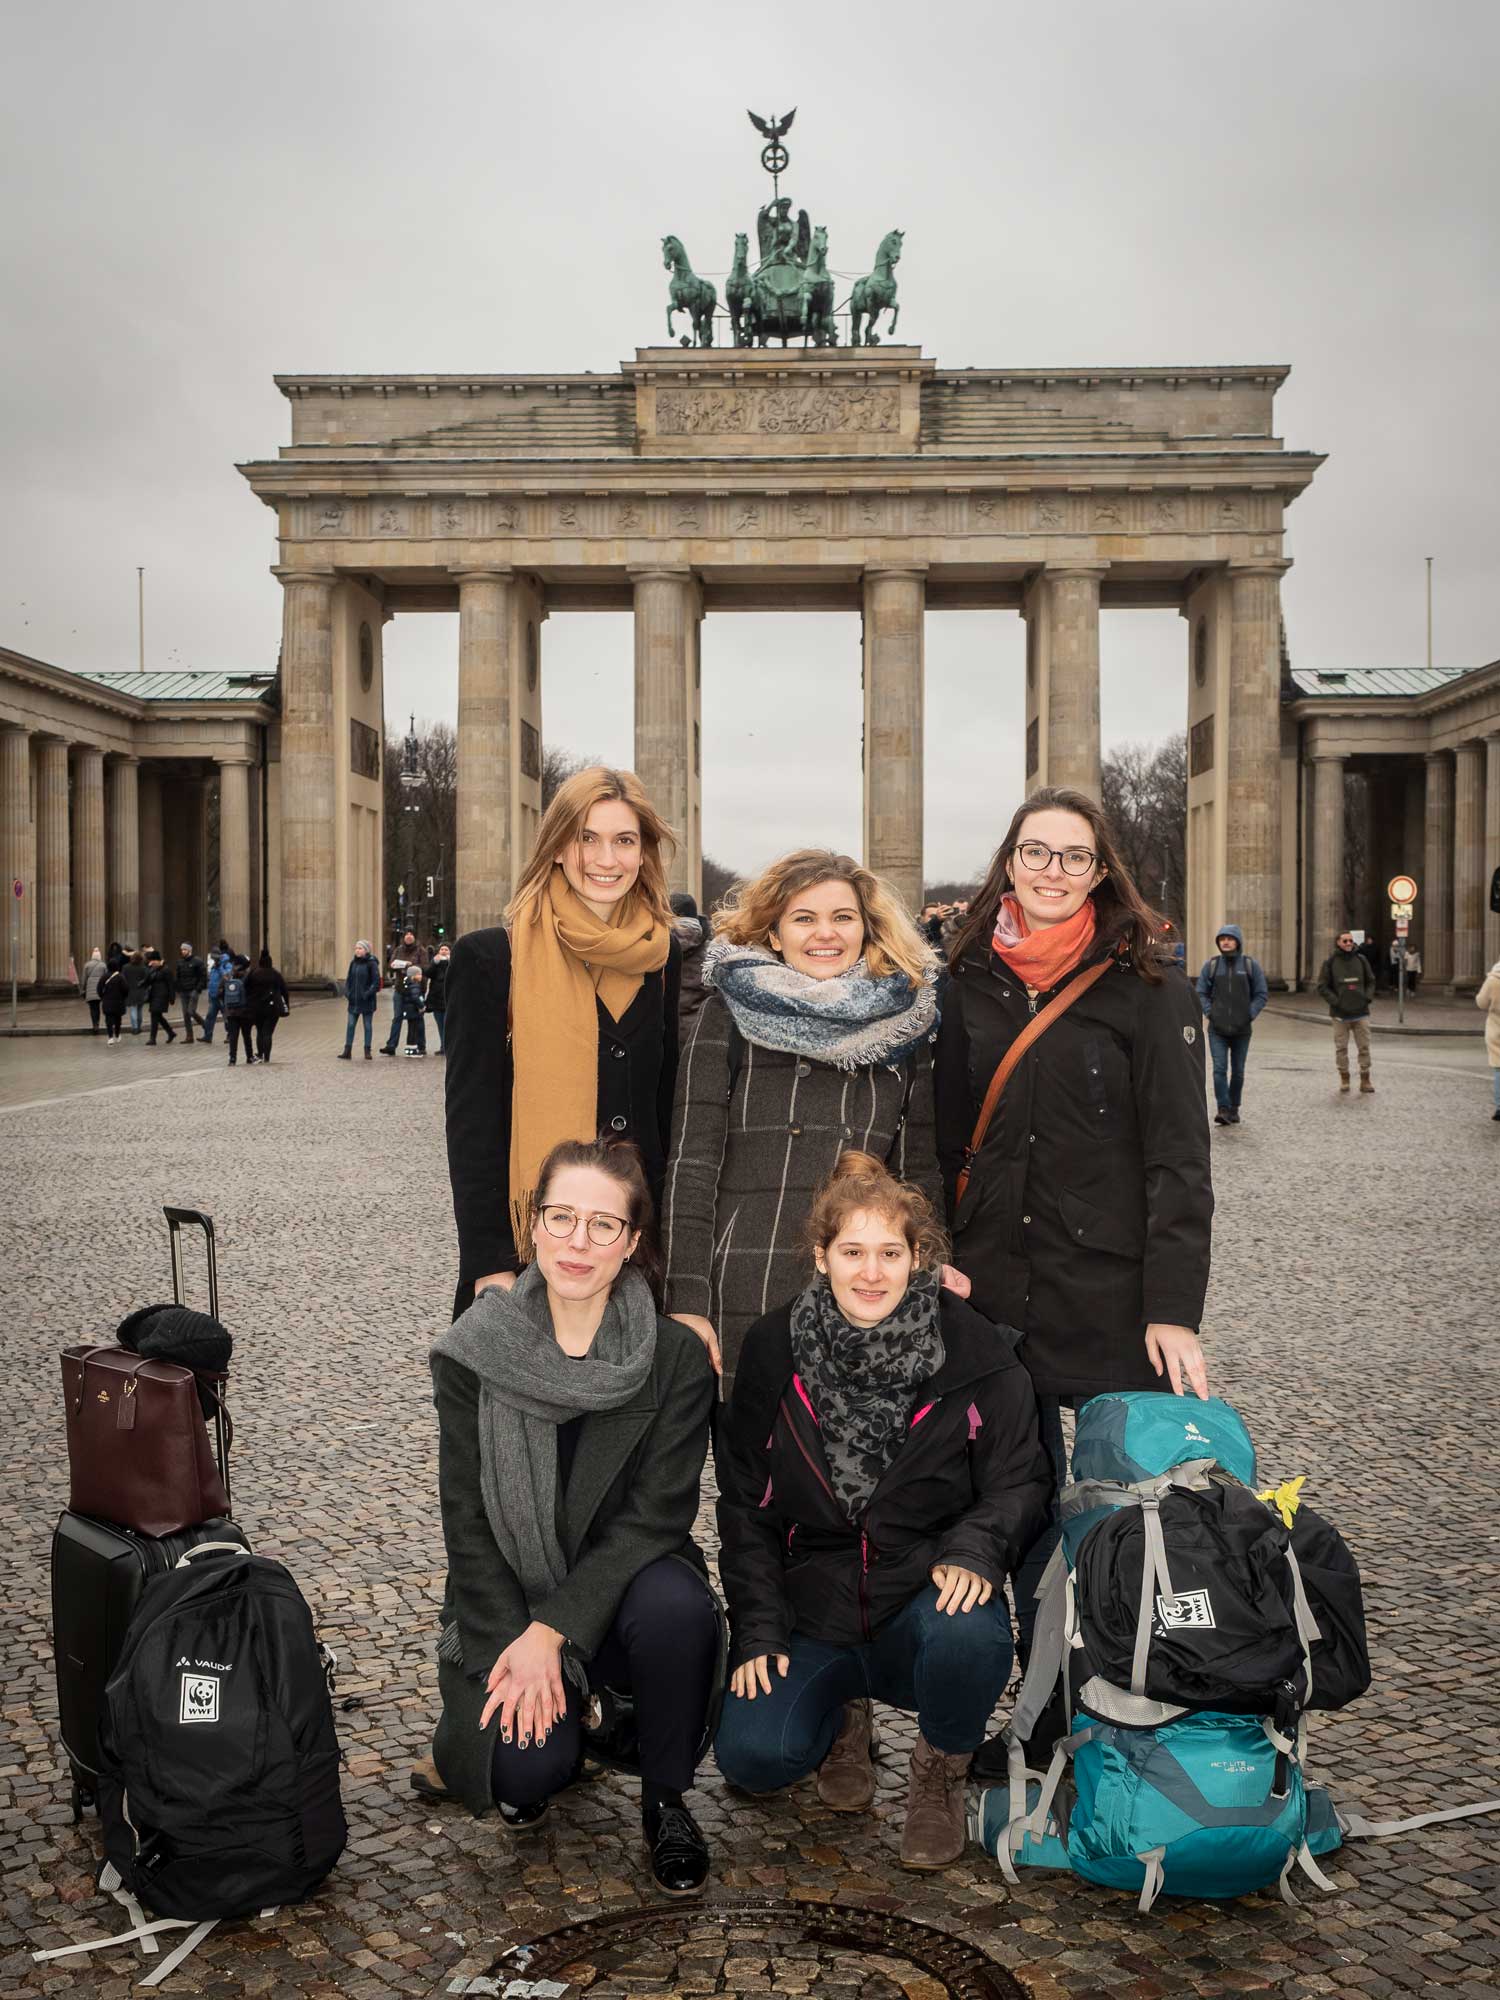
point(437, 986)
point(1347, 985)
point(637, 1076)
point(114, 993)
point(970, 1486)
point(362, 983)
point(189, 975)
point(265, 989)
point(160, 988)
point(137, 979)
point(1088, 1212)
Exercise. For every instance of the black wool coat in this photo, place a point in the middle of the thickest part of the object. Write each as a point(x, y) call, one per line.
point(969, 1486)
point(637, 1077)
point(1089, 1209)
point(632, 1496)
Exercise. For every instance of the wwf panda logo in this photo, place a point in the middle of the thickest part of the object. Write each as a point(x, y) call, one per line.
point(200, 1698)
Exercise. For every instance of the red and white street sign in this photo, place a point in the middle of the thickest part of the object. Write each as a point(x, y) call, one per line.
point(1401, 889)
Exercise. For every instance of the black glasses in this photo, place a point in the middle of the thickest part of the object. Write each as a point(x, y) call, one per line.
point(1075, 860)
point(603, 1230)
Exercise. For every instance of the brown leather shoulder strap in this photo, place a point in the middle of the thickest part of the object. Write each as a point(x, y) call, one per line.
point(1031, 1033)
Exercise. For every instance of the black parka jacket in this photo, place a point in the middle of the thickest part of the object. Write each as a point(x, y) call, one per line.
point(637, 1076)
point(1089, 1208)
point(969, 1487)
point(160, 988)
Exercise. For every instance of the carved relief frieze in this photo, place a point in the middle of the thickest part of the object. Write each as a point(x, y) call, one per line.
point(567, 517)
point(507, 518)
point(391, 517)
point(688, 516)
point(924, 513)
point(806, 517)
point(1049, 512)
point(870, 513)
point(747, 515)
point(449, 517)
point(630, 518)
point(1164, 514)
point(984, 513)
point(1107, 514)
point(770, 409)
point(333, 518)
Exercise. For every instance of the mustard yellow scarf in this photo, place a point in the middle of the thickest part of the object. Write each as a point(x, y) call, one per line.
point(562, 957)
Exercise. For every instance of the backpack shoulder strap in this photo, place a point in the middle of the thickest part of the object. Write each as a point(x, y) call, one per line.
point(734, 1054)
point(1032, 1032)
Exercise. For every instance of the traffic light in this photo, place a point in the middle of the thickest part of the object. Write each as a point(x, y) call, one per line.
point(429, 887)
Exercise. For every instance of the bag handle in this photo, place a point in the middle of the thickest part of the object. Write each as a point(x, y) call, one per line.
point(1031, 1033)
point(209, 1548)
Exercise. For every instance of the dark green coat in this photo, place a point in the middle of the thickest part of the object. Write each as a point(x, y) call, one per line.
point(632, 1496)
point(1347, 984)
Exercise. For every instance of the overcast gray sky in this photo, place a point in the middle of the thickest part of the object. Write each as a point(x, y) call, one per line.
point(199, 196)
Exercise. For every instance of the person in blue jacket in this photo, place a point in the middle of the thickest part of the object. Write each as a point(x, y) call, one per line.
point(361, 984)
point(1231, 991)
point(219, 961)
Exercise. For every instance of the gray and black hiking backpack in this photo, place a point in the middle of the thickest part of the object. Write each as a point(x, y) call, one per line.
point(219, 1781)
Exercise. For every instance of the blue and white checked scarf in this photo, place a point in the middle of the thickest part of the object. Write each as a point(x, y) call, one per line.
point(851, 1021)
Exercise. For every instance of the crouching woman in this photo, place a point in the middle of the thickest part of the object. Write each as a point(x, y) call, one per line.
point(573, 1425)
point(880, 1475)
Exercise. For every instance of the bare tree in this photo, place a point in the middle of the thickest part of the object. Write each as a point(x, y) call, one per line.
point(1143, 788)
point(420, 785)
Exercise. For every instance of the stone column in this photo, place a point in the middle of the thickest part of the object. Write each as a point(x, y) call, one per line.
point(1252, 755)
point(1326, 913)
point(308, 950)
point(53, 889)
point(483, 865)
point(1491, 846)
point(1435, 890)
point(1470, 884)
point(15, 828)
point(1071, 597)
point(122, 805)
point(894, 658)
point(88, 852)
point(234, 853)
point(153, 910)
point(668, 712)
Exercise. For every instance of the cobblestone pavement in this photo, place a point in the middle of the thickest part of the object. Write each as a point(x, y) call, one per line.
point(1352, 1319)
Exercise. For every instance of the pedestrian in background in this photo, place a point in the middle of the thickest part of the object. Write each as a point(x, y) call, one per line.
point(1488, 997)
point(413, 1010)
point(189, 977)
point(1347, 984)
point(437, 992)
point(160, 988)
point(219, 961)
point(269, 1000)
point(136, 978)
point(361, 986)
point(1232, 990)
point(239, 1014)
point(112, 997)
point(692, 932)
point(404, 955)
point(89, 984)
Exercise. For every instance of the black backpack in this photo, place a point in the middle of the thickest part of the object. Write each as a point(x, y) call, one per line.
point(233, 994)
point(219, 1779)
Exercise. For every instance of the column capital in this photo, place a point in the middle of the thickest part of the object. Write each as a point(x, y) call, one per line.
point(18, 729)
point(117, 759)
point(1065, 566)
point(1318, 753)
point(667, 572)
point(286, 573)
point(912, 569)
point(1275, 566)
point(470, 573)
point(242, 758)
point(1436, 756)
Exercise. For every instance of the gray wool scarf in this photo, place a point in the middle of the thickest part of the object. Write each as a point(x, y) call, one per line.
point(852, 1021)
point(527, 1387)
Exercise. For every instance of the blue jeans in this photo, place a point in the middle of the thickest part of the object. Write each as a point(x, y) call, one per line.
point(135, 1017)
point(951, 1671)
point(1229, 1053)
point(213, 1015)
point(365, 1014)
point(437, 1014)
point(1029, 1570)
point(398, 1003)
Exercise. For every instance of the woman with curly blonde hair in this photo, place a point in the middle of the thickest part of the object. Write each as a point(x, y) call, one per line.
point(815, 1037)
point(563, 1023)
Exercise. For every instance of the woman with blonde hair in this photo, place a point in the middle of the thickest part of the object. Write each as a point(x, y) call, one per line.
point(563, 1023)
point(816, 1036)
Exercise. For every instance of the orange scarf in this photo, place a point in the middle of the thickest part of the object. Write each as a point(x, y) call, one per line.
point(562, 957)
point(1043, 959)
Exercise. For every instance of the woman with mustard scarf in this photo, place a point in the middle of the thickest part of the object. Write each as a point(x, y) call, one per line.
point(562, 1024)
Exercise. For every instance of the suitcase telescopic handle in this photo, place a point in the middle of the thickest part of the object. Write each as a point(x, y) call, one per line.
point(194, 1218)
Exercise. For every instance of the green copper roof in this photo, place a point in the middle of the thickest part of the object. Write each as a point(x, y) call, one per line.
point(253, 684)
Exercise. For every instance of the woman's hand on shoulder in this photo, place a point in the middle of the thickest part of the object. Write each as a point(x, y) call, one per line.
point(504, 1279)
point(953, 1280)
point(696, 1323)
point(755, 1675)
point(960, 1589)
point(1178, 1350)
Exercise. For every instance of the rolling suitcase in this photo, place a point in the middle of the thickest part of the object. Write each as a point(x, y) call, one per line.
point(100, 1569)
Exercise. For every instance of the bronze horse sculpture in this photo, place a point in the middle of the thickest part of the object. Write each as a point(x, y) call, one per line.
point(690, 294)
point(876, 294)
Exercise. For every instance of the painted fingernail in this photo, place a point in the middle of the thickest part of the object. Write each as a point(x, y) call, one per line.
point(505, 1736)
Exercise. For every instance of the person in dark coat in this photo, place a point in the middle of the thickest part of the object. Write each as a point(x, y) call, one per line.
point(573, 1423)
point(90, 981)
point(239, 1009)
point(113, 995)
point(1347, 986)
point(189, 978)
point(816, 1036)
point(436, 998)
point(361, 987)
point(414, 1009)
point(136, 979)
point(160, 989)
point(1085, 1221)
point(692, 932)
point(403, 955)
point(269, 1000)
point(580, 991)
point(1231, 991)
point(880, 1476)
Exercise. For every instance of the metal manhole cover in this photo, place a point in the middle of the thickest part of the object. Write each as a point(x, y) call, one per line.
point(747, 1946)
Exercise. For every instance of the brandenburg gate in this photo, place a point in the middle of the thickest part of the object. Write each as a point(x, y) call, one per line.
point(704, 478)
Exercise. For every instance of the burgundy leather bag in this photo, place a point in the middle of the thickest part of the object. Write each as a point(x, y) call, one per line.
point(138, 1448)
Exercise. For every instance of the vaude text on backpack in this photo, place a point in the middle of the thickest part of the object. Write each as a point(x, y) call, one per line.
point(219, 1782)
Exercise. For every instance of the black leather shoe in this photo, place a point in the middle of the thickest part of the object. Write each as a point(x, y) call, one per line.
point(521, 1819)
point(679, 1853)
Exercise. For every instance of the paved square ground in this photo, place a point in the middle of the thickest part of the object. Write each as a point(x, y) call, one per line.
point(1352, 1319)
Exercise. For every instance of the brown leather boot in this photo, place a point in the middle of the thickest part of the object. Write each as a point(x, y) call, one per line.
point(1343, 1079)
point(846, 1776)
point(1365, 1084)
point(935, 1834)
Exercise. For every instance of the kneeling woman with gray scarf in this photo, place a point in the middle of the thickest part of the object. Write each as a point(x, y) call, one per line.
point(573, 1425)
point(880, 1475)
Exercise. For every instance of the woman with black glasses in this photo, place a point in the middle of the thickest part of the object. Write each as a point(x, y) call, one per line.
point(1081, 1208)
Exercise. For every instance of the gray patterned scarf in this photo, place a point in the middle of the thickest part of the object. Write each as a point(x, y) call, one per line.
point(851, 1021)
point(527, 1387)
point(863, 1381)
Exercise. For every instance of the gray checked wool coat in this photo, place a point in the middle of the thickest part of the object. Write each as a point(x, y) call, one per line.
point(754, 1131)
